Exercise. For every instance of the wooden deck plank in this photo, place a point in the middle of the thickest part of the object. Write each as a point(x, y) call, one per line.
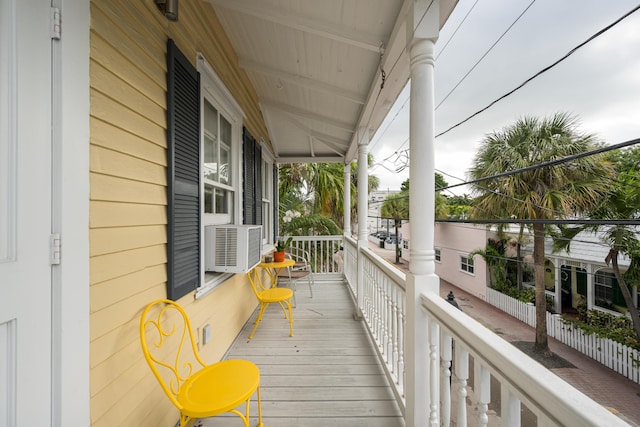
point(326, 410)
point(321, 370)
point(347, 393)
point(328, 373)
point(329, 381)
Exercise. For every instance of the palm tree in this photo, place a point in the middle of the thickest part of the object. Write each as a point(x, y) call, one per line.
point(396, 207)
point(622, 201)
point(539, 193)
point(318, 189)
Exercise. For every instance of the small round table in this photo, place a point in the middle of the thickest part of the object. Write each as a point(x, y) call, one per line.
point(274, 268)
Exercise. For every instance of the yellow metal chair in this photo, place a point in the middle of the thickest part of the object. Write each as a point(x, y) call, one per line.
point(268, 295)
point(197, 391)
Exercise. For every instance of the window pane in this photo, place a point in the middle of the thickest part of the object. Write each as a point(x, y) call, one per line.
point(225, 131)
point(225, 158)
point(210, 118)
point(210, 141)
point(208, 198)
point(222, 202)
point(210, 158)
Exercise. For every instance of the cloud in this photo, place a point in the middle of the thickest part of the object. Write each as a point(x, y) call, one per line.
point(599, 83)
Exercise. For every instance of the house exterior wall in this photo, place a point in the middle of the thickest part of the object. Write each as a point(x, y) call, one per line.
point(454, 240)
point(128, 201)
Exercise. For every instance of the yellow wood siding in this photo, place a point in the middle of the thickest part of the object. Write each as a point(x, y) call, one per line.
point(128, 199)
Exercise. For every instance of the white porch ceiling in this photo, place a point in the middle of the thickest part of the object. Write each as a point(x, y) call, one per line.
point(317, 66)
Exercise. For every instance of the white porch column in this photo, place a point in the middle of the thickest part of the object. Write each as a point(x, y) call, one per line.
point(363, 209)
point(590, 286)
point(347, 199)
point(422, 408)
point(558, 285)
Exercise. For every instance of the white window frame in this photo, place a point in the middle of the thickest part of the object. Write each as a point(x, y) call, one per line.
point(437, 254)
point(467, 264)
point(215, 92)
point(597, 283)
point(268, 161)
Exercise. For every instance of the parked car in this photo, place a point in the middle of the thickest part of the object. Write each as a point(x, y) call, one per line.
point(392, 239)
point(381, 235)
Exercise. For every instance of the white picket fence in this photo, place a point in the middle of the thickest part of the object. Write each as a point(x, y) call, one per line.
point(621, 358)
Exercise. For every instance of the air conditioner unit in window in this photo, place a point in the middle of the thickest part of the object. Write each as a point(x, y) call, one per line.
point(232, 248)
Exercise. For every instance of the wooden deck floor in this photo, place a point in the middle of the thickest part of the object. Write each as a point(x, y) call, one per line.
point(326, 374)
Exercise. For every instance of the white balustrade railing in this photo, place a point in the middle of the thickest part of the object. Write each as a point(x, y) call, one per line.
point(384, 311)
point(551, 400)
point(322, 251)
point(466, 357)
point(350, 257)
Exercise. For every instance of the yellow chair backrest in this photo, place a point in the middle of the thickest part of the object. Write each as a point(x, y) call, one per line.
point(255, 278)
point(169, 346)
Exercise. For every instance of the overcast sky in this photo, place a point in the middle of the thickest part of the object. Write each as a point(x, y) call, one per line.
point(599, 83)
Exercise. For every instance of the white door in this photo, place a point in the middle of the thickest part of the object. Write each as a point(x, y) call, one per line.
point(25, 213)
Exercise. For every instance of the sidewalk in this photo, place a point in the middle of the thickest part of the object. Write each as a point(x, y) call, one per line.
point(608, 388)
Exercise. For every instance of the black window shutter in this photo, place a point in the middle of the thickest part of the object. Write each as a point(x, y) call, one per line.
point(258, 182)
point(183, 189)
point(249, 193)
point(252, 195)
point(276, 193)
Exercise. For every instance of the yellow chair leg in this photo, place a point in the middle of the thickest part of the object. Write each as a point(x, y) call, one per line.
point(257, 322)
point(284, 310)
point(185, 421)
point(259, 409)
point(290, 319)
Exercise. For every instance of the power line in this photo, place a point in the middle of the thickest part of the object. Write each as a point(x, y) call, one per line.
point(484, 54)
point(544, 70)
point(545, 221)
point(456, 30)
point(550, 163)
point(386, 75)
point(528, 168)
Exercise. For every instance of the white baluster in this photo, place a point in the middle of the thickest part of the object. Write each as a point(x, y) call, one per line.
point(482, 383)
point(510, 407)
point(395, 331)
point(434, 369)
point(401, 338)
point(445, 363)
point(387, 336)
point(462, 374)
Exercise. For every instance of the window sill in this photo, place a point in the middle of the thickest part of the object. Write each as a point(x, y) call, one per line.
point(210, 283)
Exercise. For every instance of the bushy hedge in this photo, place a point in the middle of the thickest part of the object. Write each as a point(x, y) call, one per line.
point(606, 325)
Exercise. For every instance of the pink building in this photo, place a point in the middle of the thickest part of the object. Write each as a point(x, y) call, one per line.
point(453, 244)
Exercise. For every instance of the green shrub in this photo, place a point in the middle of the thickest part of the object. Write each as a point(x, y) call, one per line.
point(606, 325)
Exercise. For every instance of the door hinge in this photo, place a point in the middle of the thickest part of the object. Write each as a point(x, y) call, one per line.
point(54, 249)
point(55, 23)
